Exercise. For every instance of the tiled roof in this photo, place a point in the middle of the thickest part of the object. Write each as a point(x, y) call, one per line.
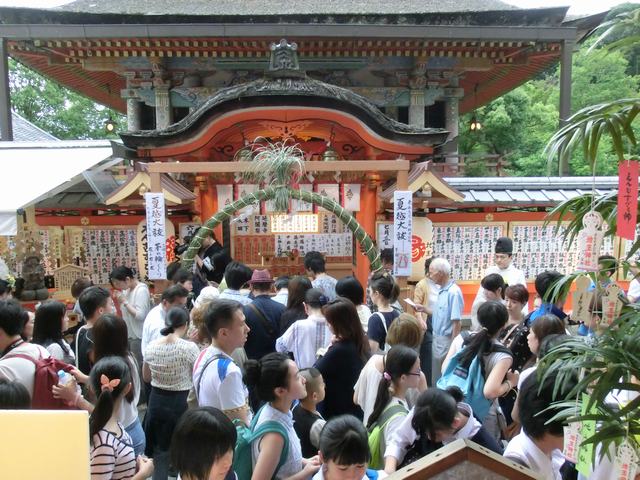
point(25, 131)
point(280, 7)
point(528, 190)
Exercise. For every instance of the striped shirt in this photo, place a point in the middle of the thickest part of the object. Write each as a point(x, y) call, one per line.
point(112, 457)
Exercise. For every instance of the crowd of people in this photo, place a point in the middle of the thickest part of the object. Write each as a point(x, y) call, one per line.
point(248, 376)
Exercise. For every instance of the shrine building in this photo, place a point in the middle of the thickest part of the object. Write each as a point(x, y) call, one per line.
point(371, 92)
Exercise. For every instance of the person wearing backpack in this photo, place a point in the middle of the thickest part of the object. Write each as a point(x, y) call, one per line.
point(18, 359)
point(438, 418)
point(401, 372)
point(480, 366)
point(275, 448)
point(383, 291)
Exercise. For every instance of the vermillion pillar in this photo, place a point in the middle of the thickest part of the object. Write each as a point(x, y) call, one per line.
point(209, 207)
point(366, 217)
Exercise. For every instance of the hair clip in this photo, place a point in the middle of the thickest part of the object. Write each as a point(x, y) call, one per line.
point(106, 384)
point(322, 300)
point(386, 376)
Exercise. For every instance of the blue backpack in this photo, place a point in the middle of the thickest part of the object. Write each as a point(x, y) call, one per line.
point(469, 378)
point(242, 460)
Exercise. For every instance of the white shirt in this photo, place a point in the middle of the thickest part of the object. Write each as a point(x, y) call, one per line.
point(523, 451)
point(525, 374)
point(152, 326)
point(364, 313)
point(236, 295)
point(225, 393)
point(304, 338)
point(56, 351)
point(20, 369)
point(404, 435)
point(293, 463)
point(140, 299)
point(281, 297)
point(634, 290)
point(511, 276)
point(129, 410)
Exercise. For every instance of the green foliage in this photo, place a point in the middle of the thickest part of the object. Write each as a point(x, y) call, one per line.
point(57, 110)
point(521, 122)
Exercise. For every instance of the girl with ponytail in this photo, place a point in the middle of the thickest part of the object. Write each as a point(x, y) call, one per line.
point(112, 455)
point(168, 366)
point(439, 417)
point(401, 372)
point(496, 360)
point(276, 380)
point(384, 291)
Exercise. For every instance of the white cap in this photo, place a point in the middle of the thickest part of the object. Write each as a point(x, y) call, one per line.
point(207, 294)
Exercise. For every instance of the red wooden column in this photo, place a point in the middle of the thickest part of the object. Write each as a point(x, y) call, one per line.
point(367, 219)
point(209, 206)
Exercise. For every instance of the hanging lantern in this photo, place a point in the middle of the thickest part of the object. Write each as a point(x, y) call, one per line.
point(475, 125)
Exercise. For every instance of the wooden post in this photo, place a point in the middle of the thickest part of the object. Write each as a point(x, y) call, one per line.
point(366, 217)
point(209, 203)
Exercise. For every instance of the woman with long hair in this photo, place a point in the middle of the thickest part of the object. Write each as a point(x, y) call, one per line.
point(405, 330)
point(497, 361)
point(112, 456)
point(343, 362)
point(401, 372)
point(298, 287)
point(384, 291)
point(49, 323)
point(168, 366)
point(277, 381)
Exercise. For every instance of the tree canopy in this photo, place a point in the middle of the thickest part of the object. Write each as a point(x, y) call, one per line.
point(56, 109)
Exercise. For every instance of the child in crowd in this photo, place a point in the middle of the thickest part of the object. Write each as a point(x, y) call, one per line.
point(344, 451)
point(438, 418)
point(306, 420)
point(278, 383)
point(112, 456)
point(307, 336)
point(401, 372)
point(202, 445)
point(383, 291)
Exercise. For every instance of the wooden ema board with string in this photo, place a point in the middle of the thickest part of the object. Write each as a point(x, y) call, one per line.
point(101, 249)
point(538, 247)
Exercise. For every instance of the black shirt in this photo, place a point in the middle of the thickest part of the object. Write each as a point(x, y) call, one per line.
point(264, 331)
point(303, 420)
point(340, 368)
point(291, 316)
point(83, 345)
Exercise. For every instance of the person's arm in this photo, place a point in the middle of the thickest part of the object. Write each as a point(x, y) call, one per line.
point(145, 468)
point(71, 396)
point(496, 386)
point(457, 328)
point(375, 333)
point(457, 309)
point(285, 342)
point(271, 446)
point(146, 372)
point(139, 306)
point(402, 438)
point(420, 296)
point(103, 461)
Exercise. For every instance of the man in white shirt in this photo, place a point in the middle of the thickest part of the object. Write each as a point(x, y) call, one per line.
point(504, 266)
point(282, 287)
point(217, 379)
point(14, 369)
point(539, 445)
point(174, 296)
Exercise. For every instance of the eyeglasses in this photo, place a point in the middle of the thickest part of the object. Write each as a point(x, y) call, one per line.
point(416, 374)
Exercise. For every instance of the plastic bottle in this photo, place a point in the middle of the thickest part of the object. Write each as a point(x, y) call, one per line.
point(64, 377)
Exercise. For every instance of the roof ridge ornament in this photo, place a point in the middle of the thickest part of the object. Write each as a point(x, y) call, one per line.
point(283, 61)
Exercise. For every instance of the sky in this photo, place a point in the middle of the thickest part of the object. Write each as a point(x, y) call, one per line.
point(578, 7)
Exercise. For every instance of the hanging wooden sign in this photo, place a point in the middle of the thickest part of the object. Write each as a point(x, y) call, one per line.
point(627, 199)
point(611, 303)
point(590, 242)
point(581, 299)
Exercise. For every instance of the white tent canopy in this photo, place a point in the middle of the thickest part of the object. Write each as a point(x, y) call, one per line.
point(34, 171)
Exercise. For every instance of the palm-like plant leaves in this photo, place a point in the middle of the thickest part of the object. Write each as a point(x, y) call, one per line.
point(587, 126)
point(620, 24)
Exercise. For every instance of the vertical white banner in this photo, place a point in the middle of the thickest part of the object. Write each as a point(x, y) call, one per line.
point(351, 197)
point(243, 191)
point(402, 231)
point(225, 195)
point(156, 241)
point(329, 190)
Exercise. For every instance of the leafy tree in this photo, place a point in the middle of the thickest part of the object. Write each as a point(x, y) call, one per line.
point(58, 110)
